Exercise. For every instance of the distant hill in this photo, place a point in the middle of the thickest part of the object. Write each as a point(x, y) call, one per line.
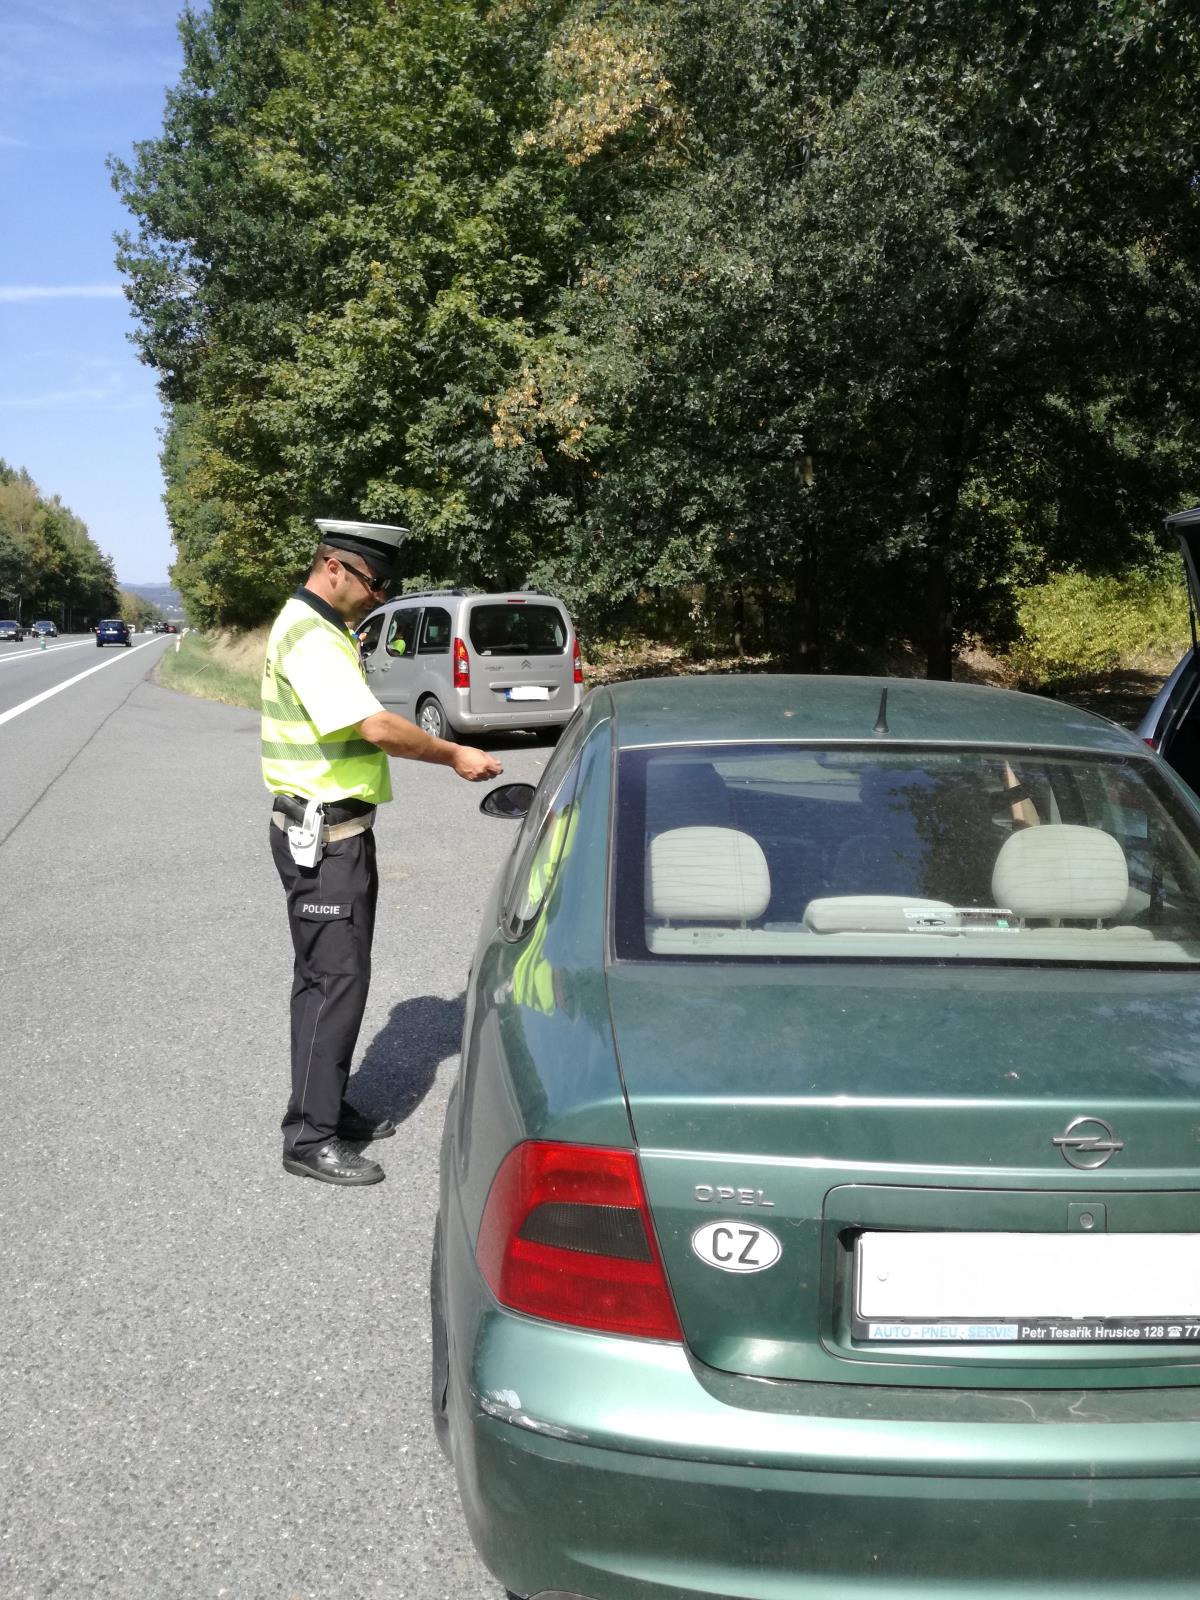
point(162, 595)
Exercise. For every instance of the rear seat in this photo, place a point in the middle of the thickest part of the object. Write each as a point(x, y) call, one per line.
point(705, 886)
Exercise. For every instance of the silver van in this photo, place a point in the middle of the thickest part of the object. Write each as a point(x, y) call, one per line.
point(458, 663)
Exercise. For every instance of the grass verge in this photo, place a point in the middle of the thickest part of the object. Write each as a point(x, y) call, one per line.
point(222, 667)
point(1104, 642)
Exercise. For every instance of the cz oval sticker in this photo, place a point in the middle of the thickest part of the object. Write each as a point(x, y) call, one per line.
point(736, 1246)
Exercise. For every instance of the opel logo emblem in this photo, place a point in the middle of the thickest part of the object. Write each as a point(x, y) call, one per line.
point(1088, 1142)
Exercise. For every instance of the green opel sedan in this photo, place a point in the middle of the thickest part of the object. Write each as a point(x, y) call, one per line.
point(820, 1194)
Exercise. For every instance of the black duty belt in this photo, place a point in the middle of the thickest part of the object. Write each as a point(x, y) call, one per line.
point(336, 811)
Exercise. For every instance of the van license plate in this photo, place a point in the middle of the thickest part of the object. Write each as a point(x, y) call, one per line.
point(529, 691)
point(1027, 1288)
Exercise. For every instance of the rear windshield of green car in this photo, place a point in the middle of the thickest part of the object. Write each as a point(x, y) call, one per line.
point(787, 852)
point(517, 628)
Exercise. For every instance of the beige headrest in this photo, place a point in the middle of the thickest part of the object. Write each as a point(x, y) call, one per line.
point(1060, 870)
point(706, 875)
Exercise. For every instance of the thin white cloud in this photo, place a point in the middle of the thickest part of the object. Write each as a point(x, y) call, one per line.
point(8, 142)
point(69, 382)
point(85, 48)
point(66, 52)
point(79, 399)
point(10, 294)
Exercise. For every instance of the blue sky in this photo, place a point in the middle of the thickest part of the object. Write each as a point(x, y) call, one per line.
point(80, 79)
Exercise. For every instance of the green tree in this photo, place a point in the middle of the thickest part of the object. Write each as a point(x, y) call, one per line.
point(912, 319)
point(136, 610)
point(340, 259)
point(49, 566)
point(873, 310)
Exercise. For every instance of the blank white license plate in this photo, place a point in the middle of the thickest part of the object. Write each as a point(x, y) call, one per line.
point(1027, 1288)
point(529, 691)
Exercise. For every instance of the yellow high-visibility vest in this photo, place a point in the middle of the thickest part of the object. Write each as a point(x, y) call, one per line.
point(296, 758)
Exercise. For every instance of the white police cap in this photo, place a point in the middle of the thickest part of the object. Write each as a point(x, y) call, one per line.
point(377, 541)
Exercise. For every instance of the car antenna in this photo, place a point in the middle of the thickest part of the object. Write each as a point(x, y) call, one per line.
point(881, 722)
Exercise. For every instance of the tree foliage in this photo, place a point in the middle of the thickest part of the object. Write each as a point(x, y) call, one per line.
point(49, 566)
point(137, 610)
point(872, 312)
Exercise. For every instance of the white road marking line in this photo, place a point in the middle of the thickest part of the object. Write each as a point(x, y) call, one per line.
point(36, 650)
point(28, 705)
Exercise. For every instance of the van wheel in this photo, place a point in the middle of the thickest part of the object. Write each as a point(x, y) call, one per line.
point(439, 1348)
point(431, 719)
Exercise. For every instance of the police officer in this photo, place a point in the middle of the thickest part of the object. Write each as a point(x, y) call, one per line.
point(325, 744)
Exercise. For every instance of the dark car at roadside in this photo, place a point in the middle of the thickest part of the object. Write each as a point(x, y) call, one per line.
point(12, 631)
point(114, 630)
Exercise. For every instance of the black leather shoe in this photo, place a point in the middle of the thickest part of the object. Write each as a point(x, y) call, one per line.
point(333, 1162)
point(353, 1124)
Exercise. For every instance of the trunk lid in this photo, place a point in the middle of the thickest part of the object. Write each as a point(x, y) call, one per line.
point(1185, 525)
point(520, 654)
point(815, 1104)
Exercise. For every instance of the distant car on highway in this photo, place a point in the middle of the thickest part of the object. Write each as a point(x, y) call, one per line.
point(44, 630)
point(12, 630)
point(115, 630)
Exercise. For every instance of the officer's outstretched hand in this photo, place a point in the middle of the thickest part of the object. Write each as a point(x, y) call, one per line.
point(475, 765)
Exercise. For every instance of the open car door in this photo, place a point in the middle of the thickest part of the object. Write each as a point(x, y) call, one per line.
point(1172, 724)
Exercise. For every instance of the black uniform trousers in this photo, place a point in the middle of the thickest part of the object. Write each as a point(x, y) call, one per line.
point(331, 913)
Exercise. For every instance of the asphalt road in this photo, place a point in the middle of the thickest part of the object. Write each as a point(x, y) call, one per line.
point(215, 1375)
point(28, 668)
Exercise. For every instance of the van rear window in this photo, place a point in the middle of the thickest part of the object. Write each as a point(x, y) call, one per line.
point(520, 629)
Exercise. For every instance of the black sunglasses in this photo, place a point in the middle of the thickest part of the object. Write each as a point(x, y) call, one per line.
point(378, 586)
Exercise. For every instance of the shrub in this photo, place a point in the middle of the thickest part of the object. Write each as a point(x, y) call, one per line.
point(1074, 626)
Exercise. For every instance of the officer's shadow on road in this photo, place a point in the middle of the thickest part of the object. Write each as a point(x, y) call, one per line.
point(402, 1059)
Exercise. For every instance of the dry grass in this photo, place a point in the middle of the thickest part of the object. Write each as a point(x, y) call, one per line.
point(242, 652)
point(225, 667)
point(650, 658)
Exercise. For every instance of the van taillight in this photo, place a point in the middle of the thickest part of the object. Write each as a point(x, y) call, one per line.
point(578, 664)
point(462, 666)
point(566, 1235)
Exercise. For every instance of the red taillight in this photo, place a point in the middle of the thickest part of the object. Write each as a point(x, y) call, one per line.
point(578, 664)
point(462, 666)
point(1153, 743)
point(566, 1235)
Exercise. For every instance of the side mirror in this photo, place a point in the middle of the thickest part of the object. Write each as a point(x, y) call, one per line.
point(510, 801)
